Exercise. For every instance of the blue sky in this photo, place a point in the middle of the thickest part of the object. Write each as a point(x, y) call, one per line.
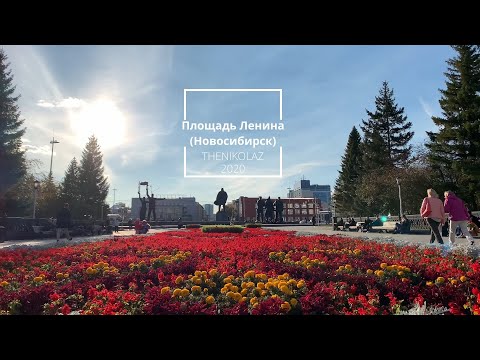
point(132, 99)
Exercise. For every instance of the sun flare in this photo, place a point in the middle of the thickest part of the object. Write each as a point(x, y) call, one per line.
point(101, 118)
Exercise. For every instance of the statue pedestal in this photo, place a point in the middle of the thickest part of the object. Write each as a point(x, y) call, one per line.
point(222, 216)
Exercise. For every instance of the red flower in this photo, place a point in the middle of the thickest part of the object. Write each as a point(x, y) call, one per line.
point(54, 297)
point(66, 309)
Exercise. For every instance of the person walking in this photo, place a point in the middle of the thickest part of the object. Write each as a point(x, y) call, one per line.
point(458, 215)
point(64, 221)
point(432, 210)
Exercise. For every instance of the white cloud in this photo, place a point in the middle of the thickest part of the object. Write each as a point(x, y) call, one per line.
point(426, 108)
point(25, 140)
point(43, 150)
point(68, 103)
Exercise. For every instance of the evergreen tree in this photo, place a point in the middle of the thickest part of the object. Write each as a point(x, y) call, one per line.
point(48, 202)
point(70, 188)
point(349, 176)
point(12, 159)
point(386, 132)
point(455, 148)
point(93, 184)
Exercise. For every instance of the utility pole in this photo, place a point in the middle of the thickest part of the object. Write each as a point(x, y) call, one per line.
point(53, 142)
point(400, 198)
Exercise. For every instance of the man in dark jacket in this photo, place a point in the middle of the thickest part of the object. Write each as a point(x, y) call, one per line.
point(260, 206)
point(64, 221)
point(278, 204)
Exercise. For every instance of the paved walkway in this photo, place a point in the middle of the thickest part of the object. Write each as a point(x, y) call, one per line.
point(52, 242)
point(401, 239)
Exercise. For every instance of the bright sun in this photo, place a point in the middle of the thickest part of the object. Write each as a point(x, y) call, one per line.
point(101, 118)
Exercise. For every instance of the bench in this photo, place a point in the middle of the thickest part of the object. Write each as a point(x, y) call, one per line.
point(388, 226)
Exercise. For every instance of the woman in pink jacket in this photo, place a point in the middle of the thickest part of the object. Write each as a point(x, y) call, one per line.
point(459, 216)
point(432, 210)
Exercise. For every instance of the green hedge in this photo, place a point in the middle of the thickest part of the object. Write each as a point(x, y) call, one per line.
point(193, 226)
point(253, 225)
point(222, 229)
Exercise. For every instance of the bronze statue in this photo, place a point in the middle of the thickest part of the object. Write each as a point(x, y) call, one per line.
point(221, 199)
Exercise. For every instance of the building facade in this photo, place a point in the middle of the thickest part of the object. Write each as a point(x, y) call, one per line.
point(171, 209)
point(208, 212)
point(303, 189)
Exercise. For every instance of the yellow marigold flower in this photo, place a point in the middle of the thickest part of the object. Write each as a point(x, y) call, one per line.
point(196, 289)
point(429, 283)
point(255, 305)
point(380, 273)
point(204, 273)
point(230, 294)
point(165, 289)
point(293, 302)
point(223, 290)
point(37, 279)
point(286, 306)
point(357, 251)
point(389, 268)
point(89, 271)
point(383, 265)
point(243, 299)
point(243, 285)
point(440, 280)
point(285, 289)
point(205, 291)
point(348, 267)
point(244, 292)
point(249, 273)
point(94, 271)
point(95, 266)
point(4, 283)
point(237, 297)
point(234, 288)
point(341, 268)
point(274, 296)
point(369, 271)
point(271, 253)
point(213, 272)
point(281, 283)
point(286, 276)
point(66, 275)
point(453, 282)
point(210, 300)
point(179, 280)
point(253, 300)
point(300, 284)
point(406, 269)
point(261, 285)
point(198, 273)
point(250, 284)
point(264, 293)
point(400, 273)
point(185, 292)
point(227, 280)
point(463, 278)
point(404, 279)
point(268, 285)
point(197, 281)
point(59, 275)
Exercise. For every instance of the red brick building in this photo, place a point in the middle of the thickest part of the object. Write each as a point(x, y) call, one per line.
point(294, 209)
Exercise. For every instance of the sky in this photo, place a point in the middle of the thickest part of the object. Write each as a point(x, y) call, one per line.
point(132, 99)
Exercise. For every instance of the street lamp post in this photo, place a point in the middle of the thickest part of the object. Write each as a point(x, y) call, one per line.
point(36, 185)
point(53, 142)
point(400, 198)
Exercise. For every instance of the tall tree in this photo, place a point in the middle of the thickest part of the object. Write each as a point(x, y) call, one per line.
point(349, 176)
point(12, 157)
point(70, 188)
point(387, 132)
point(47, 201)
point(455, 147)
point(93, 184)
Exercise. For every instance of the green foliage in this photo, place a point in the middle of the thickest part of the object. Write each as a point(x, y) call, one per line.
point(69, 190)
point(12, 157)
point(48, 203)
point(193, 226)
point(455, 147)
point(386, 133)
point(347, 202)
point(92, 182)
point(222, 229)
point(253, 225)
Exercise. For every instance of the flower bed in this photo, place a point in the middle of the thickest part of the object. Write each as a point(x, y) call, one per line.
point(256, 272)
